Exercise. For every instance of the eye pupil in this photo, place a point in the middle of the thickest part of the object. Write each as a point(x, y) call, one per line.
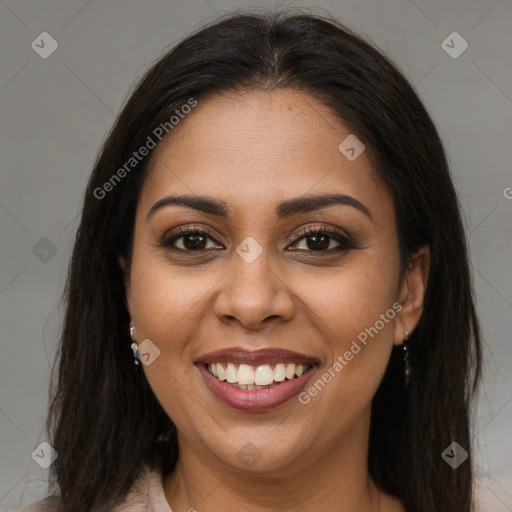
point(193, 241)
point(324, 244)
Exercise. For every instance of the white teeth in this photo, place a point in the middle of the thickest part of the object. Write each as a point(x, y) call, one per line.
point(279, 372)
point(221, 373)
point(263, 376)
point(290, 371)
point(245, 374)
point(231, 373)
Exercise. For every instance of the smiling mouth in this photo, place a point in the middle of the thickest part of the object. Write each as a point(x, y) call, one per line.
point(249, 377)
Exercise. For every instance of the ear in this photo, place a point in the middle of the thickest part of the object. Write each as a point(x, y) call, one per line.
point(127, 285)
point(412, 293)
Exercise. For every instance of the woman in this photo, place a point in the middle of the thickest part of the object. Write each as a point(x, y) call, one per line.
point(269, 305)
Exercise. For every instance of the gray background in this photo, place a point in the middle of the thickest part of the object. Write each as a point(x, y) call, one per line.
point(56, 111)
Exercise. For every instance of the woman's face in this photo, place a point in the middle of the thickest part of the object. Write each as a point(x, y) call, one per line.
point(248, 279)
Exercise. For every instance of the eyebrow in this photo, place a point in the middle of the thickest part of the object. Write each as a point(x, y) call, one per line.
point(284, 210)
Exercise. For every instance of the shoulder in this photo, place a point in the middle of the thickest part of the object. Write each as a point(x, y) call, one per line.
point(146, 494)
point(50, 504)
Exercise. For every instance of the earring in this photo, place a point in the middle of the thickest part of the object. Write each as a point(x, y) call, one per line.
point(406, 360)
point(135, 348)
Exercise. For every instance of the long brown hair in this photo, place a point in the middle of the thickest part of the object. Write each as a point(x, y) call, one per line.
point(105, 421)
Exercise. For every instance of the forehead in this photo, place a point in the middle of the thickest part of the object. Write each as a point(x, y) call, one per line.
point(262, 145)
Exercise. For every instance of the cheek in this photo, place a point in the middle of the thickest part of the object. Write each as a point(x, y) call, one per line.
point(166, 310)
point(353, 312)
point(165, 300)
point(349, 300)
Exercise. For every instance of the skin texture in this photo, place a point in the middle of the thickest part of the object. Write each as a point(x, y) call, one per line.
point(254, 150)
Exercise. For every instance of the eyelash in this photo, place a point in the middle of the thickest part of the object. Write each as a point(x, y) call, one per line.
point(345, 241)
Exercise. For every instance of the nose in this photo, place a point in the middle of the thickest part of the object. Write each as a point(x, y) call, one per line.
point(253, 294)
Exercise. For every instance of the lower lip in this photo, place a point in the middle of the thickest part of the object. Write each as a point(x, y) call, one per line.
point(255, 399)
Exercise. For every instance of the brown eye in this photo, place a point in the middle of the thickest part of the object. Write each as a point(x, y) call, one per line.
point(320, 240)
point(188, 240)
point(194, 241)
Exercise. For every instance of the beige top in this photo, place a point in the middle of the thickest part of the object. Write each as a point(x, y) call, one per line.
point(146, 494)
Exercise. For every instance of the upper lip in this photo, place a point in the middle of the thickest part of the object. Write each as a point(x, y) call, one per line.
point(256, 357)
